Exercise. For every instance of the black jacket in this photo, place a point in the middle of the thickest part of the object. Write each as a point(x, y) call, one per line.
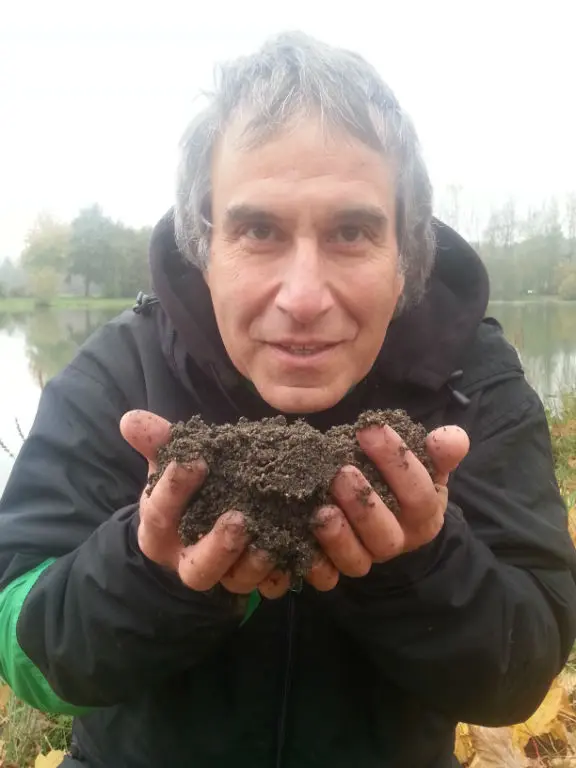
point(374, 674)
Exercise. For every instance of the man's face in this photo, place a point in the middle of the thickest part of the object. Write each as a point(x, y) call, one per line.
point(303, 271)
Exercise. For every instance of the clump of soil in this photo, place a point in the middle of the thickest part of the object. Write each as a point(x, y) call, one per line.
point(278, 475)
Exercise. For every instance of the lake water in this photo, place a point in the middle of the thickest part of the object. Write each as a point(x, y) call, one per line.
point(33, 347)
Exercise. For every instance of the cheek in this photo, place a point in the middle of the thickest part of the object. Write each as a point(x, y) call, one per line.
point(235, 298)
point(376, 294)
point(224, 279)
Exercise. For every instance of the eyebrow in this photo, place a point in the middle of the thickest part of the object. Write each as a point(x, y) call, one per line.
point(363, 214)
point(239, 214)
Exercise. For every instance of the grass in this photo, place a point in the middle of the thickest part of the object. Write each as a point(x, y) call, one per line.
point(25, 733)
point(15, 306)
point(563, 430)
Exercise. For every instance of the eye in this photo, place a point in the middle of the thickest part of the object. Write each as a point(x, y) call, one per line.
point(348, 233)
point(260, 232)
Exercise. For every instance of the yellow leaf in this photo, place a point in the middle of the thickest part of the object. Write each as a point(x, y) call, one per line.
point(4, 696)
point(568, 680)
point(572, 522)
point(52, 760)
point(545, 717)
point(495, 748)
point(463, 745)
point(559, 732)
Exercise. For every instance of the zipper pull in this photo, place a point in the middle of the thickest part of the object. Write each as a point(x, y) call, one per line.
point(462, 399)
point(297, 585)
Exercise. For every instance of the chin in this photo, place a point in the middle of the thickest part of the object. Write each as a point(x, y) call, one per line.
point(301, 399)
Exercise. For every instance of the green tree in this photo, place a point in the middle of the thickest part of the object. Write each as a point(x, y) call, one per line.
point(91, 253)
point(131, 261)
point(44, 257)
point(567, 289)
point(46, 245)
point(43, 284)
point(526, 255)
point(127, 268)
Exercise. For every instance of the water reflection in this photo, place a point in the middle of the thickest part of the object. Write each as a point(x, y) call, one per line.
point(545, 335)
point(35, 346)
point(52, 337)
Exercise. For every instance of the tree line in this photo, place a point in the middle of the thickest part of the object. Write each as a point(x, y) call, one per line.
point(90, 256)
point(533, 253)
point(526, 253)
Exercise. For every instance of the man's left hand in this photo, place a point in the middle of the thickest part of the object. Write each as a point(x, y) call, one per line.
point(362, 530)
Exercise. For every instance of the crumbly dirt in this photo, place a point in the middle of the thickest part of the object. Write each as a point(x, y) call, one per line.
point(278, 474)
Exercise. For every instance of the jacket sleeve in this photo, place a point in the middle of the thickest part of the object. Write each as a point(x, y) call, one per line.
point(479, 622)
point(85, 619)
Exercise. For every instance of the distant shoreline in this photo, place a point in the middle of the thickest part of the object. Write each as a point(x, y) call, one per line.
point(534, 300)
point(65, 302)
point(15, 306)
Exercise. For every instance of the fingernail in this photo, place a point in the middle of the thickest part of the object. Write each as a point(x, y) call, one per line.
point(329, 521)
point(377, 435)
point(233, 530)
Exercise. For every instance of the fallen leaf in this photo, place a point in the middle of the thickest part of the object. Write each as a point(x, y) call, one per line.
point(559, 732)
point(543, 721)
point(4, 696)
point(52, 760)
point(572, 524)
point(495, 748)
point(568, 680)
point(463, 748)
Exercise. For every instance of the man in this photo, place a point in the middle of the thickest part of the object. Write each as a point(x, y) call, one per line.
point(296, 275)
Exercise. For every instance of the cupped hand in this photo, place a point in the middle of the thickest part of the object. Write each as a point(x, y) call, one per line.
point(224, 554)
point(359, 529)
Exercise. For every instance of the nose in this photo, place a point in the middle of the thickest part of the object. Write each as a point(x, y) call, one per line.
point(304, 294)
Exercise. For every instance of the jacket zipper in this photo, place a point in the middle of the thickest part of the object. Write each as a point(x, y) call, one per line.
point(287, 681)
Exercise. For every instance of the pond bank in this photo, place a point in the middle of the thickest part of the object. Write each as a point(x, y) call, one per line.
point(15, 306)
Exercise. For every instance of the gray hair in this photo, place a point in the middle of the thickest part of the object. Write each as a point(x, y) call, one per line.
point(292, 75)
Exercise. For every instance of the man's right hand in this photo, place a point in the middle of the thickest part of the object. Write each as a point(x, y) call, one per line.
point(221, 556)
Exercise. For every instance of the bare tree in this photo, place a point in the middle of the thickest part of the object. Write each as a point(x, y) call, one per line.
point(571, 223)
point(451, 208)
point(508, 225)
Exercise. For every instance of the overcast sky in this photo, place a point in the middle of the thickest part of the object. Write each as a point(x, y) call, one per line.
point(94, 96)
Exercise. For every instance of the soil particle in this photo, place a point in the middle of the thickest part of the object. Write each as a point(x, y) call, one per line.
point(278, 475)
point(363, 496)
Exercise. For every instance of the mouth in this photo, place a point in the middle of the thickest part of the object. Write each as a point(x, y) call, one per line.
point(304, 350)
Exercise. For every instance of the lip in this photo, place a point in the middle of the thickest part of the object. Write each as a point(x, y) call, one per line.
point(283, 353)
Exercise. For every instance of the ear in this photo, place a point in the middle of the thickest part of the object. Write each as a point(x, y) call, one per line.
point(400, 283)
point(206, 275)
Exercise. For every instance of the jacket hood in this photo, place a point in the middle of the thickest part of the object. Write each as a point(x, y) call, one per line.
point(423, 346)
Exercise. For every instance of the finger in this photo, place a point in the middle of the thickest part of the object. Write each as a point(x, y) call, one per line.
point(374, 523)
point(276, 584)
point(202, 565)
point(248, 571)
point(339, 542)
point(407, 477)
point(323, 575)
point(161, 510)
point(447, 447)
point(145, 432)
